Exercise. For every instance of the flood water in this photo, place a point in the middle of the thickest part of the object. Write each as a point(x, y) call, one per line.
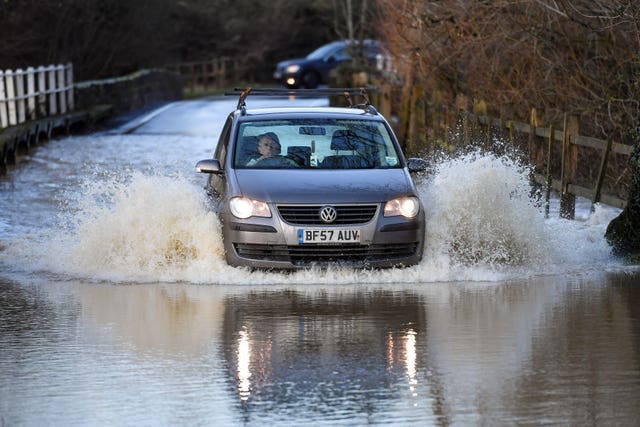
point(116, 307)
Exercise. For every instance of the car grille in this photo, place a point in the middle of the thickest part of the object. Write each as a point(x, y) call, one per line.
point(310, 214)
point(309, 254)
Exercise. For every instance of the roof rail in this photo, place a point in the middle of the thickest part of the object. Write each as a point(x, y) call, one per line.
point(348, 93)
point(243, 96)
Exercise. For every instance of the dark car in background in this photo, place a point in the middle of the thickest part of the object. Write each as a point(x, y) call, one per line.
point(313, 70)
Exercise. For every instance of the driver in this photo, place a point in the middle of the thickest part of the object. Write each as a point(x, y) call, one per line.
point(269, 148)
point(268, 145)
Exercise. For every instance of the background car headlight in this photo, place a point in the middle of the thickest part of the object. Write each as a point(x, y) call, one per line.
point(407, 207)
point(244, 207)
point(292, 69)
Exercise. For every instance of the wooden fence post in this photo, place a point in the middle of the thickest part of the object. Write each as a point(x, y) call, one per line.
point(462, 108)
point(601, 173)
point(512, 139)
point(51, 90)
point(465, 137)
point(549, 179)
point(42, 91)
point(11, 96)
point(69, 85)
point(489, 131)
point(20, 98)
point(479, 109)
point(507, 112)
point(533, 124)
point(4, 118)
point(31, 91)
point(569, 167)
point(448, 126)
point(61, 89)
point(539, 153)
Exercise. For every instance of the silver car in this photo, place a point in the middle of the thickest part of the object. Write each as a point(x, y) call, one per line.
point(302, 186)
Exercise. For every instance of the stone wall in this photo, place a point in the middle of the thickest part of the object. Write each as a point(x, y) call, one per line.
point(135, 91)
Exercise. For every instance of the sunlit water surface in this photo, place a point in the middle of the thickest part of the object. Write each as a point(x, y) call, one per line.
point(116, 305)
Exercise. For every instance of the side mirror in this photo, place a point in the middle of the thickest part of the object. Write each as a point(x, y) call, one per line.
point(415, 164)
point(331, 59)
point(209, 166)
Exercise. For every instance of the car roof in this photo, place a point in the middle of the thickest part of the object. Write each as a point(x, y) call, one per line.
point(319, 112)
point(364, 42)
point(362, 110)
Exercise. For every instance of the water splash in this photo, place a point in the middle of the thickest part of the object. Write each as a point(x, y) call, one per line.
point(482, 225)
point(144, 228)
point(484, 221)
point(479, 211)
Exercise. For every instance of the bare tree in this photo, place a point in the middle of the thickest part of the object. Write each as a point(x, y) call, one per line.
point(575, 56)
point(105, 38)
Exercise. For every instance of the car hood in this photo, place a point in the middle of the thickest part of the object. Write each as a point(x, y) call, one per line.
point(323, 186)
point(285, 64)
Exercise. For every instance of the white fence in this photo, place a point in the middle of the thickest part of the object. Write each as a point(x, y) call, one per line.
point(35, 93)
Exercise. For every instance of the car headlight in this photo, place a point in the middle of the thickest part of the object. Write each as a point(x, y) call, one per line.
point(244, 207)
point(291, 69)
point(407, 207)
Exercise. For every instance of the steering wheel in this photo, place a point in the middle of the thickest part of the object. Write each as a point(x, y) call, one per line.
point(277, 161)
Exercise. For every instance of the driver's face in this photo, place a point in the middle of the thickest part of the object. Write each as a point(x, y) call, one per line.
point(268, 147)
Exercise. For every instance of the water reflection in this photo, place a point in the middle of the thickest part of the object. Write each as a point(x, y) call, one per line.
point(557, 350)
point(244, 359)
point(174, 320)
point(341, 353)
point(445, 353)
point(410, 359)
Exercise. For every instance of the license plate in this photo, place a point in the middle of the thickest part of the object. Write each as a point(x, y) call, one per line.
point(328, 236)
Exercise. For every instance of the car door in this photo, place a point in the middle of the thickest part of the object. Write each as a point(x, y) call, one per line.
point(218, 181)
point(332, 60)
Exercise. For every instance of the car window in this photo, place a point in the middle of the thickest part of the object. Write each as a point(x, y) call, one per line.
point(342, 54)
point(322, 51)
point(221, 149)
point(316, 144)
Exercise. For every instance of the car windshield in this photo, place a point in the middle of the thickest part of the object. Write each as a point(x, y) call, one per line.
point(323, 51)
point(315, 144)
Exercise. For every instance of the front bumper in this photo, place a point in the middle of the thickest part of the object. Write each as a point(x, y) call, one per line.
point(273, 243)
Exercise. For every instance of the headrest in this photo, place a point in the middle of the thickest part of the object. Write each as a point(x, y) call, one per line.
point(249, 143)
point(344, 139)
point(300, 154)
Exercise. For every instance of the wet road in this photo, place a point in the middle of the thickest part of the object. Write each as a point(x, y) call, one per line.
point(116, 306)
